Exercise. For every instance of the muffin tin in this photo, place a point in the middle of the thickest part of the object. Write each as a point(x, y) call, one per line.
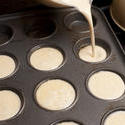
point(66, 30)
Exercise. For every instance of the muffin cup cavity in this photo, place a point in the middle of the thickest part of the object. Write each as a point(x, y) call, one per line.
point(45, 82)
point(6, 34)
point(13, 59)
point(55, 48)
point(66, 121)
point(105, 70)
point(41, 28)
point(84, 42)
point(76, 22)
point(21, 97)
point(108, 113)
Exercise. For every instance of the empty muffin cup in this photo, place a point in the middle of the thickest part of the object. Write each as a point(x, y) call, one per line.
point(76, 22)
point(6, 34)
point(55, 94)
point(10, 104)
point(41, 28)
point(7, 66)
point(106, 85)
point(83, 50)
point(115, 118)
point(46, 58)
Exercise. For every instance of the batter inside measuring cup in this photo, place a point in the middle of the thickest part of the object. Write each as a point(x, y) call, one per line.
point(115, 118)
point(7, 66)
point(46, 58)
point(106, 85)
point(55, 94)
point(68, 123)
point(86, 52)
point(10, 104)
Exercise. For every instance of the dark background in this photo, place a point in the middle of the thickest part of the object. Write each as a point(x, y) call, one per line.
point(10, 6)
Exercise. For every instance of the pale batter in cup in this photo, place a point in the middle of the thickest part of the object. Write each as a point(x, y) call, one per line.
point(115, 118)
point(55, 94)
point(46, 59)
point(10, 104)
point(85, 54)
point(7, 66)
point(68, 123)
point(106, 85)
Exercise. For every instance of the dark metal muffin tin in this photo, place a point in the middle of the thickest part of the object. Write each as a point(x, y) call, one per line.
point(68, 31)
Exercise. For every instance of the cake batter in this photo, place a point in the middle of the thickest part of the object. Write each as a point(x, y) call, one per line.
point(55, 94)
point(46, 58)
point(84, 6)
point(106, 85)
point(7, 66)
point(86, 52)
point(10, 104)
point(116, 118)
point(67, 123)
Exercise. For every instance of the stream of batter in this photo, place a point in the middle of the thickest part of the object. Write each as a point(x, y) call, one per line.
point(84, 6)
